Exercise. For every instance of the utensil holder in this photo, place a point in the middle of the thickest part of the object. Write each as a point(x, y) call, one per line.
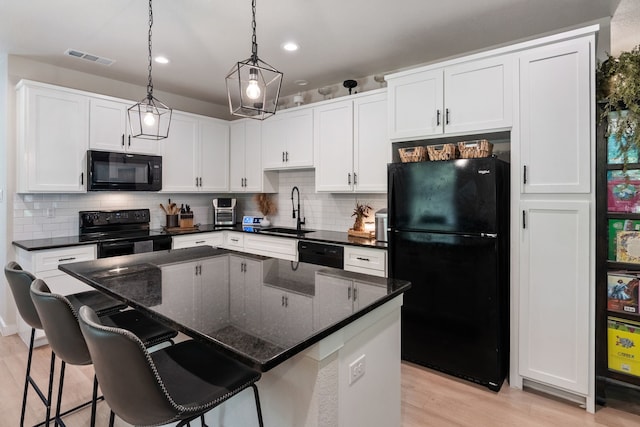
point(172, 221)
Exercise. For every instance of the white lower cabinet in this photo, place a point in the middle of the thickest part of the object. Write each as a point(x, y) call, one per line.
point(214, 239)
point(555, 294)
point(44, 265)
point(277, 247)
point(365, 260)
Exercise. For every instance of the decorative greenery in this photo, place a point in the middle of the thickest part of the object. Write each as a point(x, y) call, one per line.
point(360, 212)
point(266, 205)
point(618, 86)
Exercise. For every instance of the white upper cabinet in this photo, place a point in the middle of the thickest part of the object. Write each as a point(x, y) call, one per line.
point(351, 145)
point(416, 105)
point(214, 155)
point(53, 138)
point(555, 125)
point(195, 156)
point(287, 140)
point(246, 173)
point(109, 128)
point(469, 97)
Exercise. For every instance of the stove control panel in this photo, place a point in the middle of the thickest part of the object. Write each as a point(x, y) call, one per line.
point(116, 217)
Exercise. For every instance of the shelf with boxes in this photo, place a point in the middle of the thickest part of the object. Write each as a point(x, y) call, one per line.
point(618, 290)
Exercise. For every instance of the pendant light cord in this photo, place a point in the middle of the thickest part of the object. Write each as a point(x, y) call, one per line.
point(150, 83)
point(254, 39)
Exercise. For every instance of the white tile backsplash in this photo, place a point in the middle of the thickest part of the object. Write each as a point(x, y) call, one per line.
point(323, 211)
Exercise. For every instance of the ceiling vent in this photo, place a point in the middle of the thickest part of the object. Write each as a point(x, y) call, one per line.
point(88, 57)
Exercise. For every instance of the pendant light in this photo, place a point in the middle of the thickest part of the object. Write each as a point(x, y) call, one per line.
point(150, 118)
point(253, 86)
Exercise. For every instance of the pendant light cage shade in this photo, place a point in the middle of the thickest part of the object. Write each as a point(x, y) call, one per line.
point(253, 88)
point(150, 119)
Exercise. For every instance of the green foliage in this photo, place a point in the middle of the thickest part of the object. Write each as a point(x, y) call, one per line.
point(618, 86)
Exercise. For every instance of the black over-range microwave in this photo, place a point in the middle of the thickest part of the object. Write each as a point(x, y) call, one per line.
point(123, 171)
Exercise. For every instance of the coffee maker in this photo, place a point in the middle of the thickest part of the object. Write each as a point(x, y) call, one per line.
point(224, 211)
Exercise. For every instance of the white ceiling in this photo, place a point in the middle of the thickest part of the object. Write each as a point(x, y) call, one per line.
point(339, 39)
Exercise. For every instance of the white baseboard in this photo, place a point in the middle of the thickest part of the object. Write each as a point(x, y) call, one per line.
point(7, 330)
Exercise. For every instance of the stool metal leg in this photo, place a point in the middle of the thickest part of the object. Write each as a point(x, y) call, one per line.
point(46, 400)
point(255, 392)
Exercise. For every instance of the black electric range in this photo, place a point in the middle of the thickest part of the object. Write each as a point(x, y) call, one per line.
point(121, 232)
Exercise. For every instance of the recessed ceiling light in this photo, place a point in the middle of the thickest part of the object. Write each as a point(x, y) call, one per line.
point(301, 82)
point(290, 46)
point(161, 60)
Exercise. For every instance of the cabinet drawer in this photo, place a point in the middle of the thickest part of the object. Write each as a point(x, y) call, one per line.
point(47, 260)
point(234, 240)
point(198, 239)
point(363, 260)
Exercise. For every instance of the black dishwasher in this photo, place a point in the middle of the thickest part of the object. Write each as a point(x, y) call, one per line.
point(321, 254)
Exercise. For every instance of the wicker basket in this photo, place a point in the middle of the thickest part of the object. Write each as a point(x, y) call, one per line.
point(475, 149)
point(412, 154)
point(442, 152)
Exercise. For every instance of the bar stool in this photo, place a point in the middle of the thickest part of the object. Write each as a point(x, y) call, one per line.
point(177, 383)
point(19, 282)
point(60, 323)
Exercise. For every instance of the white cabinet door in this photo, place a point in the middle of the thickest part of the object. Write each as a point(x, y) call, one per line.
point(478, 95)
point(287, 140)
point(178, 299)
point(246, 156)
point(415, 105)
point(180, 155)
point(214, 156)
point(53, 138)
point(253, 174)
point(371, 147)
point(555, 293)
point(237, 155)
point(555, 125)
point(109, 128)
point(333, 127)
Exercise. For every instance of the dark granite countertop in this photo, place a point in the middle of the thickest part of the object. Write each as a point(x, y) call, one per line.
point(260, 310)
point(335, 237)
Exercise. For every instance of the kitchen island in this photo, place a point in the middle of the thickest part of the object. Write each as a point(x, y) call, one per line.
point(326, 340)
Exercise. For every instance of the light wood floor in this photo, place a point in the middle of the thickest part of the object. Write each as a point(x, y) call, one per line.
point(428, 399)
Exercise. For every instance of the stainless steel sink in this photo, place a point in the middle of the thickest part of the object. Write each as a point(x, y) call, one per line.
point(283, 230)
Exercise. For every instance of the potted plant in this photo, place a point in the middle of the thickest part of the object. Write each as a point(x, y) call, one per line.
point(266, 206)
point(360, 212)
point(618, 92)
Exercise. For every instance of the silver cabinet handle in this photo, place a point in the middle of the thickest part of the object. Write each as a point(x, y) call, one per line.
point(287, 156)
point(349, 178)
point(349, 293)
point(82, 178)
point(67, 259)
point(283, 157)
point(438, 117)
point(199, 242)
point(363, 259)
point(446, 118)
point(129, 140)
point(355, 178)
point(200, 180)
point(196, 181)
point(524, 174)
point(234, 240)
point(123, 139)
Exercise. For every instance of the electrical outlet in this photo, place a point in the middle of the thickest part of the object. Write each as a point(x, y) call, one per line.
point(51, 212)
point(356, 369)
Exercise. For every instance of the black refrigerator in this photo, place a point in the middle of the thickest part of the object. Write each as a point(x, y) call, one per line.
point(449, 236)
